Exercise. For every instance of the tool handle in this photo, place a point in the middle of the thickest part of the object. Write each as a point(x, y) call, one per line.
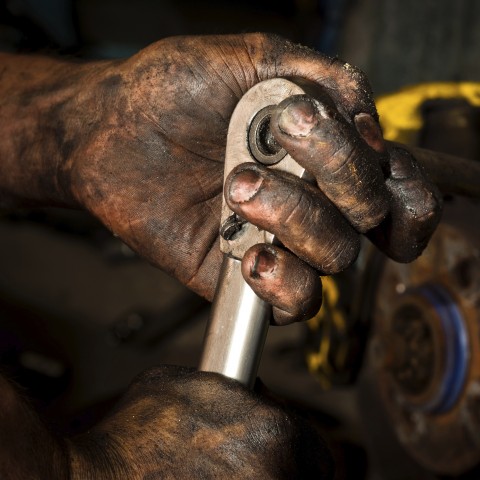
point(237, 327)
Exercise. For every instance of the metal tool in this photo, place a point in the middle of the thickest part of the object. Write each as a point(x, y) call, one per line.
point(239, 320)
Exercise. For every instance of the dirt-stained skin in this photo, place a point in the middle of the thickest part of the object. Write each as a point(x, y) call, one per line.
point(140, 144)
point(257, 439)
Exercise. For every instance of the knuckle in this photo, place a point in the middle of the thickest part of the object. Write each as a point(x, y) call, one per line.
point(277, 426)
point(357, 77)
point(356, 86)
point(296, 212)
point(272, 38)
point(147, 381)
point(356, 74)
point(340, 255)
point(342, 154)
point(421, 203)
point(353, 72)
point(268, 40)
point(307, 297)
point(162, 373)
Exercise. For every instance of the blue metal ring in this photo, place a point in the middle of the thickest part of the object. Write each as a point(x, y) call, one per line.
point(456, 349)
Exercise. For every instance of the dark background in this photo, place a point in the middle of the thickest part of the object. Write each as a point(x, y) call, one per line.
point(397, 42)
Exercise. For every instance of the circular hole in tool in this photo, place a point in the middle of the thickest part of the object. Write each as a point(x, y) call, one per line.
point(261, 143)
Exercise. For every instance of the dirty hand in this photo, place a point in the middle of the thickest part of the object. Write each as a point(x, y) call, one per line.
point(176, 423)
point(140, 144)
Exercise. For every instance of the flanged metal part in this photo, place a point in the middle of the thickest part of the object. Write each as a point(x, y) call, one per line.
point(424, 354)
point(248, 133)
point(262, 144)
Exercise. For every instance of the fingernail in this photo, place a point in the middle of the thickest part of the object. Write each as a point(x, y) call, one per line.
point(244, 186)
point(370, 131)
point(264, 265)
point(298, 118)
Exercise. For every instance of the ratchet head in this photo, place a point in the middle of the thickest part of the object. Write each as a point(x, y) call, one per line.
point(249, 140)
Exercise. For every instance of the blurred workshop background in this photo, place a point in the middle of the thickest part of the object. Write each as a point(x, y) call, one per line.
point(81, 314)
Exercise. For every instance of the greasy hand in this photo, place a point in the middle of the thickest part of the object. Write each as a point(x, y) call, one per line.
point(175, 423)
point(150, 166)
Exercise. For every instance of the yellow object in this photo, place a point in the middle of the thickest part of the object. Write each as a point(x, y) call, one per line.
point(331, 320)
point(400, 111)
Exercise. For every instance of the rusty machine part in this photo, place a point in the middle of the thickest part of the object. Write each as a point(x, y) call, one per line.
point(425, 346)
point(424, 353)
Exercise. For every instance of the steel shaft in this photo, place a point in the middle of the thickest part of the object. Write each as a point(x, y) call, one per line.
point(237, 327)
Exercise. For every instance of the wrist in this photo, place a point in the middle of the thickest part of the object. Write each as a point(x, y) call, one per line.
point(48, 110)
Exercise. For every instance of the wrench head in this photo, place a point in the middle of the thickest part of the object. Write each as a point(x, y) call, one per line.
point(249, 141)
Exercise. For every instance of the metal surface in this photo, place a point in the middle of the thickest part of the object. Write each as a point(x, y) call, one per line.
point(261, 96)
point(428, 354)
point(239, 324)
point(239, 320)
point(425, 347)
point(261, 142)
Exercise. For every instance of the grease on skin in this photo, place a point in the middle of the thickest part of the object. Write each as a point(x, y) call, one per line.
point(284, 281)
point(348, 85)
point(402, 165)
point(301, 217)
point(192, 432)
point(415, 210)
point(130, 145)
point(112, 140)
point(332, 153)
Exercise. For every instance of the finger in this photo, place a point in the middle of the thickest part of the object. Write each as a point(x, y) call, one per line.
point(346, 169)
point(273, 56)
point(369, 129)
point(296, 213)
point(292, 287)
point(414, 213)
